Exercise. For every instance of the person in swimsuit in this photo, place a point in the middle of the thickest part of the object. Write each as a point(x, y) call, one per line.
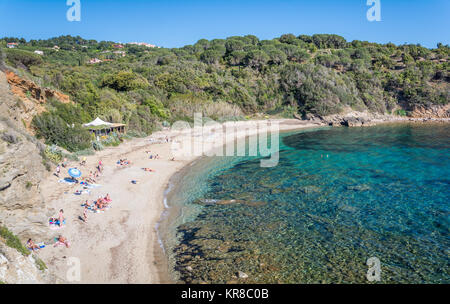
point(62, 241)
point(85, 218)
point(61, 218)
point(31, 245)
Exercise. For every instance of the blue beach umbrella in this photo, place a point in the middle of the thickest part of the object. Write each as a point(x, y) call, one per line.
point(75, 173)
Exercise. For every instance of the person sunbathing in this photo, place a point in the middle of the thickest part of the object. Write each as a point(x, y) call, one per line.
point(101, 204)
point(62, 241)
point(148, 170)
point(32, 246)
point(108, 198)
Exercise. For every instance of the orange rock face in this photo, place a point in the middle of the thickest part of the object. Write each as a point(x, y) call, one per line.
point(27, 89)
point(32, 97)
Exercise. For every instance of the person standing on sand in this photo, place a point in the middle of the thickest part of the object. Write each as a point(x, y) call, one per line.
point(61, 217)
point(86, 208)
point(100, 167)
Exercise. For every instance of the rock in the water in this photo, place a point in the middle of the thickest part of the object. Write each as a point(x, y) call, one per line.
point(242, 275)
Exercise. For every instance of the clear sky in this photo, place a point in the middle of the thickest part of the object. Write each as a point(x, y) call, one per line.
point(174, 23)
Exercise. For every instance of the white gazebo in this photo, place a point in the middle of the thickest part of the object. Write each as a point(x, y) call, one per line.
point(100, 127)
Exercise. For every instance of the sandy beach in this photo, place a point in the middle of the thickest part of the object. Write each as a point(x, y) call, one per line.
point(120, 245)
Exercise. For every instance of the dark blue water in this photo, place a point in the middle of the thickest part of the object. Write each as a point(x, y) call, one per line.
point(338, 197)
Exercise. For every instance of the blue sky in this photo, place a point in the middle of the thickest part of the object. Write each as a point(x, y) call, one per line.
point(174, 23)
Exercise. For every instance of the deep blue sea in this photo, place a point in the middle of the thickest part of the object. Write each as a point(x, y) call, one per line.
point(338, 197)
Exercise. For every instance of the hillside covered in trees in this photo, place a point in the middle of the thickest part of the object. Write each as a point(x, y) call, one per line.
point(225, 79)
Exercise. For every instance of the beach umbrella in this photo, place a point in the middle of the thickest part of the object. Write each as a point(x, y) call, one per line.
point(74, 172)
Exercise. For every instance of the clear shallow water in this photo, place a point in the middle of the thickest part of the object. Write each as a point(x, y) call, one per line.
point(338, 197)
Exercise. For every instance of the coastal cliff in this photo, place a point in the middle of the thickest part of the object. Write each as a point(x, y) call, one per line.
point(22, 208)
point(16, 268)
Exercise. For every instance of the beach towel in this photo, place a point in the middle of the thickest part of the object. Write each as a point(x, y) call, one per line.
point(91, 209)
point(90, 186)
point(67, 181)
point(54, 224)
point(81, 192)
point(40, 247)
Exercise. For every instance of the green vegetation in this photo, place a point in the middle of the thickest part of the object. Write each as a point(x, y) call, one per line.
point(13, 241)
point(40, 264)
point(21, 58)
point(225, 79)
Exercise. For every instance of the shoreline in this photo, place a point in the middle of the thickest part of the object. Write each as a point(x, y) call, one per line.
point(122, 245)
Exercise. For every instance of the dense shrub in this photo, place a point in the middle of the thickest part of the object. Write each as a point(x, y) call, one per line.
point(56, 131)
point(21, 58)
point(124, 81)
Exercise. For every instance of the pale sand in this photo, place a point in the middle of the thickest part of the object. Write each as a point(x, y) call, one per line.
point(120, 245)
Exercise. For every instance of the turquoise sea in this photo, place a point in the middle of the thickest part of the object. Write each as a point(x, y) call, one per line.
point(338, 197)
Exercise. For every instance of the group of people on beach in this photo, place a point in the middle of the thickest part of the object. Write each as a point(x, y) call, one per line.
point(101, 204)
point(60, 221)
point(123, 162)
point(59, 241)
point(156, 156)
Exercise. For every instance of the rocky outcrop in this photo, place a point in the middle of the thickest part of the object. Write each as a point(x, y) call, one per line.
point(16, 268)
point(22, 208)
point(27, 89)
point(433, 111)
point(355, 119)
point(30, 99)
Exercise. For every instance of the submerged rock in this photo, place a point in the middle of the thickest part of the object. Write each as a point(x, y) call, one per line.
point(310, 189)
point(363, 187)
point(242, 275)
